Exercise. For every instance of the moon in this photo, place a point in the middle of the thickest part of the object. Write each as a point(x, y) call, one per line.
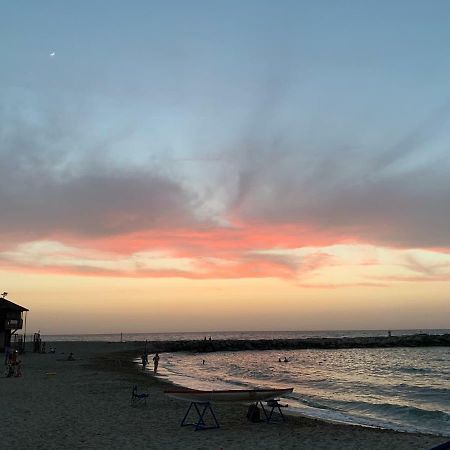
point(52, 54)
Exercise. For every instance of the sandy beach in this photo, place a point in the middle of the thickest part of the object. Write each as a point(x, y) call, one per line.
point(85, 404)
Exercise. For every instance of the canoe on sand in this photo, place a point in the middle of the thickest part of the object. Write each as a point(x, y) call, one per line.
point(231, 395)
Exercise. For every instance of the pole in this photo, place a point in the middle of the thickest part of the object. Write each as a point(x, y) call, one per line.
point(25, 331)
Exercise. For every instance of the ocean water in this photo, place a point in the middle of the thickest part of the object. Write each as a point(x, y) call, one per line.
point(174, 336)
point(406, 389)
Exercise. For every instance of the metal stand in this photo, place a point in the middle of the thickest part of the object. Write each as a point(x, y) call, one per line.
point(200, 425)
point(272, 404)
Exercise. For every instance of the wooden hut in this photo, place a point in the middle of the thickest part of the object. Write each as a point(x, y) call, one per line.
point(11, 320)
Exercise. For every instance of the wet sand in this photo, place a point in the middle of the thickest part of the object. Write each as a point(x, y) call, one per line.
point(85, 404)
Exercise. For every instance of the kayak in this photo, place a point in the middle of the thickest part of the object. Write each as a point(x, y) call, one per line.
point(231, 395)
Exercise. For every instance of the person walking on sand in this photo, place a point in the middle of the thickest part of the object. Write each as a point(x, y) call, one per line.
point(155, 362)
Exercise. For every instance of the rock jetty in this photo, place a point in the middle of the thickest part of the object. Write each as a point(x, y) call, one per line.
point(223, 345)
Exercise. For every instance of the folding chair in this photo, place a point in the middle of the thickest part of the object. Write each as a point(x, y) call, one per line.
point(138, 399)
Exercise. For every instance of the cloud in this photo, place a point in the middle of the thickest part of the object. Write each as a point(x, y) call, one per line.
point(54, 257)
point(415, 140)
point(331, 286)
point(324, 267)
point(60, 182)
point(395, 197)
point(54, 183)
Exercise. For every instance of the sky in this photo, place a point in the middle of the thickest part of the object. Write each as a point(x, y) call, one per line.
point(211, 165)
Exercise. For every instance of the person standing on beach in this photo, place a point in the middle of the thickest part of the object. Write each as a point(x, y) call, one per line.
point(7, 354)
point(155, 362)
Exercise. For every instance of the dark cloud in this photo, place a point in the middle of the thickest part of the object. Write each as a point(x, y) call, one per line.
point(56, 178)
point(399, 196)
point(50, 184)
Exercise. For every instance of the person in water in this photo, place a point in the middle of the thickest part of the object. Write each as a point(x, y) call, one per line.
point(155, 362)
point(285, 359)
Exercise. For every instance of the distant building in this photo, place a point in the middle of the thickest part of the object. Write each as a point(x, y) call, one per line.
point(11, 320)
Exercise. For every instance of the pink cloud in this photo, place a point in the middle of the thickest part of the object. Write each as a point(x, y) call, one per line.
point(341, 285)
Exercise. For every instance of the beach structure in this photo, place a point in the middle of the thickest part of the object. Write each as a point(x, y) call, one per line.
point(201, 403)
point(11, 320)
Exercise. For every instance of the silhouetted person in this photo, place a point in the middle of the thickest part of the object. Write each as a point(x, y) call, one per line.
point(285, 359)
point(36, 342)
point(7, 354)
point(144, 359)
point(155, 362)
point(18, 369)
point(70, 357)
point(10, 371)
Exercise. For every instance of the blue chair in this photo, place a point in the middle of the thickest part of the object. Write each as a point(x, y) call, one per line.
point(138, 399)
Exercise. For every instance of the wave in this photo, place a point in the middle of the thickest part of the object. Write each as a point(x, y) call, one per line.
point(415, 370)
point(397, 410)
point(385, 415)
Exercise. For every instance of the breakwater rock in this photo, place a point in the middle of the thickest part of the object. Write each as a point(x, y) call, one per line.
point(415, 340)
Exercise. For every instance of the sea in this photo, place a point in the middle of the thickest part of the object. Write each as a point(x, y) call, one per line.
point(405, 389)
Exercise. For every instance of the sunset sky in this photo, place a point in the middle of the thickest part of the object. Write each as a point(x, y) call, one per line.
point(225, 165)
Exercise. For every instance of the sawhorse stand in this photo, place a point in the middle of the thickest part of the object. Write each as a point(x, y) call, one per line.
point(200, 424)
point(273, 405)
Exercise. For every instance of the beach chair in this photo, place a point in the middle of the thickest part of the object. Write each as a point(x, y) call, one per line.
point(138, 399)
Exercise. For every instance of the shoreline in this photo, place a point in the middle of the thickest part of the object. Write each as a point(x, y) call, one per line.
point(329, 416)
point(81, 404)
point(291, 413)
